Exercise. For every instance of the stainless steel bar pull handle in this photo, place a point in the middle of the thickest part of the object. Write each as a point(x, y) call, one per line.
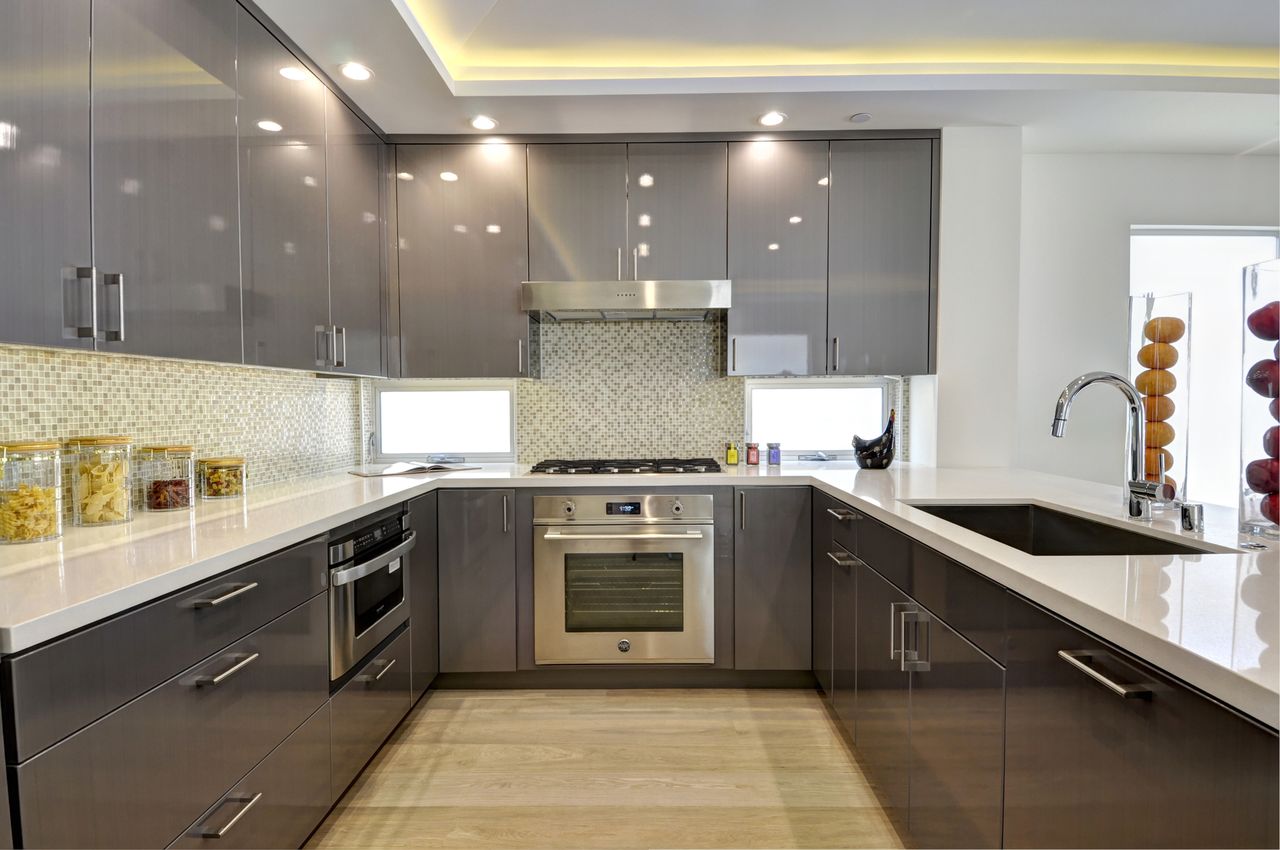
point(913, 660)
point(842, 514)
point(742, 509)
point(249, 800)
point(73, 302)
point(635, 263)
point(207, 681)
point(115, 334)
point(687, 535)
point(506, 516)
point(519, 357)
point(226, 597)
point(835, 354)
point(842, 560)
point(339, 352)
point(897, 629)
point(1077, 658)
point(619, 264)
point(324, 345)
point(733, 354)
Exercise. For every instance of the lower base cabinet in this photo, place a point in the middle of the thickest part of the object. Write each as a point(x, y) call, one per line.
point(281, 800)
point(368, 708)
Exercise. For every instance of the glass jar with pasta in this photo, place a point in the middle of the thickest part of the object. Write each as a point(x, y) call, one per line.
point(166, 478)
point(102, 480)
point(221, 477)
point(30, 491)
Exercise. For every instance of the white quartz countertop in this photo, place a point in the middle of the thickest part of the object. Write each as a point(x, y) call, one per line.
point(1212, 620)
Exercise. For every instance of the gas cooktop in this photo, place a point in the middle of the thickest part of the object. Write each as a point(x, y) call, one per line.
point(623, 467)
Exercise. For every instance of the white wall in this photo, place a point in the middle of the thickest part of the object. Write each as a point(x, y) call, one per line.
point(978, 296)
point(1073, 299)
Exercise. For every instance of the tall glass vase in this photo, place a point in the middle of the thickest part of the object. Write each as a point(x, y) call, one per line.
point(1159, 354)
point(1259, 405)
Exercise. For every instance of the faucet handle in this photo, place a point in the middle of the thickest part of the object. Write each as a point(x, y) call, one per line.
point(1141, 494)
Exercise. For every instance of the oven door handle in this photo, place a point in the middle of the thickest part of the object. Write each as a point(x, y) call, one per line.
point(687, 535)
point(340, 577)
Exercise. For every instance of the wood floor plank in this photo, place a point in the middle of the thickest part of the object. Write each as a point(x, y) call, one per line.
point(612, 769)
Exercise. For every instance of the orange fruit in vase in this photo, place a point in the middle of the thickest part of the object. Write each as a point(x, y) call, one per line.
point(1157, 355)
point(1164, 329)
point(1159, 434)
point(1152, 465)
point(1158, 407)
point(1156, 382)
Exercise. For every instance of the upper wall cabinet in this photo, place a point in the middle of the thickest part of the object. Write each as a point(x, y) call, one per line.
point(283, 213)
point(879, 297)
point(464, 250)
point(45, 222)
point(355, 159)
point(778, 257)
point(578, 212)
point(166, 230)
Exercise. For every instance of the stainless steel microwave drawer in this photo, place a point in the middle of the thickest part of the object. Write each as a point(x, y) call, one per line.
point(67, 684)
point(139, 776)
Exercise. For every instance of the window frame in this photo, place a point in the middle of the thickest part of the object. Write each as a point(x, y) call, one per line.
point(427, 385)
point(886, 384)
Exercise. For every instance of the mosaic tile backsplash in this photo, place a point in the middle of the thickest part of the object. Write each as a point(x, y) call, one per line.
point(287, 424)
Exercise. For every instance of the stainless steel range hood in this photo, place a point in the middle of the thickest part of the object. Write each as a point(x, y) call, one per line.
point(625, 300)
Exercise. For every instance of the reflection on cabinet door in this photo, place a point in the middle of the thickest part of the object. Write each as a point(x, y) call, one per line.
point(463, 253)
point(354, 157)
point(166, 229)
point(957, 740)
point(678, 213)
point(778, 258)
point(578, 212)
point(282, 206)
point(45, 218)
point(879, 298)
point(884, 692)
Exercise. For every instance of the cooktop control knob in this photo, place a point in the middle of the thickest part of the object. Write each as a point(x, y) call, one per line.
point(569, 508)
point(677, 508)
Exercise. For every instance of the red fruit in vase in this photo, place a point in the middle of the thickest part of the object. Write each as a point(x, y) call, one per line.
point(1275, 409)
point(1264, 322)
point(1263, 378)
point(1263, 476)
point(1271, 441)
point(1271, 507)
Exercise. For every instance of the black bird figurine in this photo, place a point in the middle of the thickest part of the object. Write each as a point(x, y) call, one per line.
point(876, 453)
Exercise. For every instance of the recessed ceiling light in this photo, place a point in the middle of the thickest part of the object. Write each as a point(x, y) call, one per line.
point(795, 219)
point(822, 181)
point(860, 117)
point(293, 72)
point(773, 246)
point(448, 177)
point(645, 180)
point(404, 175)
point(269, 125)
point(483, 122)
point(772, 118)
point(355, 71)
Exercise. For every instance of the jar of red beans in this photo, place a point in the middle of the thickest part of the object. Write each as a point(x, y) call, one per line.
point(166, 477)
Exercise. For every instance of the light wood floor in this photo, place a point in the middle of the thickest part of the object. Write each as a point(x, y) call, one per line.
point(612, 769)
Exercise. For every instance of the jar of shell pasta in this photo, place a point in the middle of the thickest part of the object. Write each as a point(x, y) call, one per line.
point(221, 477)
point(166, 478)
point(102, 480)
point(30, 491)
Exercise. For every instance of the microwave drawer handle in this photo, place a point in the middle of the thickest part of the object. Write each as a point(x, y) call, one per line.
point(687, 535)
point(350, 574)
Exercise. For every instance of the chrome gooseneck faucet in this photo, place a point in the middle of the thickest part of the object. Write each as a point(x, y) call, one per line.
point(1138, 492)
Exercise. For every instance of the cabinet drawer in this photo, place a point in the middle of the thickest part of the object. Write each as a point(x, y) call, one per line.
point(65, 685)
point(886, 551)
point(141, 774)
point(367, 708)
point(842, 522)
point(969, 603)
point(281, 800)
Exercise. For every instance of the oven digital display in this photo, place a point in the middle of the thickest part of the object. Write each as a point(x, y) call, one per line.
point(622, 508)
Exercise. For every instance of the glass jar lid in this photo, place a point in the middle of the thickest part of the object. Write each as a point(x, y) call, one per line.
point(221, 461)
point(99, 441)
point(167, 450)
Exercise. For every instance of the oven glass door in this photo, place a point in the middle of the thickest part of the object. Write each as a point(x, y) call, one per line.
point(624, 594)
point(376, 594)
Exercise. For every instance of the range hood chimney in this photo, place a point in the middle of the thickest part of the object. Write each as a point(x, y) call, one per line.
point(625, 300)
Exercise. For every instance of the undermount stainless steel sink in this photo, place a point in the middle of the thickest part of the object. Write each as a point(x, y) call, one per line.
point(1044, 531)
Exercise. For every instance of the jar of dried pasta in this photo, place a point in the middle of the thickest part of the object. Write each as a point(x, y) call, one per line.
point(30, 491)
point(166, 478)
point(221, 477)
point(102, 480)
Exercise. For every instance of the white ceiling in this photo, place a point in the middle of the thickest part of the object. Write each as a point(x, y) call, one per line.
point(1091, 75)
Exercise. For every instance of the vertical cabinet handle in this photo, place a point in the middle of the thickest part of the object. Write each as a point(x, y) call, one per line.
point(733, 354)
point(116, 334)
point(619, 264)
point(520, 357)
point(324, 345)
point(915, 660)
point(339, 352)
point(506, 516)
point(835, 354)
point(81, 279)
point(896, 629)
point(742, 509)
point(635, 263)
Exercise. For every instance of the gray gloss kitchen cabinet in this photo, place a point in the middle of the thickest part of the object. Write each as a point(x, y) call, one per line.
point(1088, 767)
point(957, 739)
point(165, 217)
point(424, 593)
point(368, 708)
point(771, 579)
point(464, 251)
point(477, 581)
point(778, 258)
point(880, 292)
point(844, 636)
point(283, 214)
point(822, 567)
point(578, 212)
point(45, 217)
point(354, 161)
point(677, 211)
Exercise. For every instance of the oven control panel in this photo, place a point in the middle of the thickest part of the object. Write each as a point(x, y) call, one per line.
point(590, 508)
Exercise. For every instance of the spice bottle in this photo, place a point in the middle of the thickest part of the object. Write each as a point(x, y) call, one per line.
point(166, 477)
point(775, 454)
point(753, 454)
point(731, 454)
point(30, 491)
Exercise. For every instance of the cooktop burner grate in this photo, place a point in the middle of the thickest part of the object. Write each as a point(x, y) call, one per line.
point(629, 466)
